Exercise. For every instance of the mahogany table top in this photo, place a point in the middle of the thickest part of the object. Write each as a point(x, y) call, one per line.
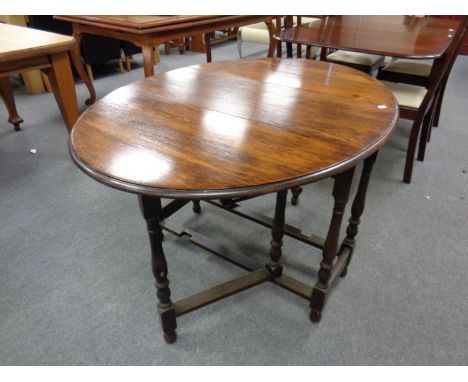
point(240, 127)
point(147, 24)
point(19, 42)
point(395, 36)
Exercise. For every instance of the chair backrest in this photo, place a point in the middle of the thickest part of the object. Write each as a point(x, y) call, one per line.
point(443, 71)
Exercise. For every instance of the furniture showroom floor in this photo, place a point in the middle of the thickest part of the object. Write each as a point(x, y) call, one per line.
point(76, 285)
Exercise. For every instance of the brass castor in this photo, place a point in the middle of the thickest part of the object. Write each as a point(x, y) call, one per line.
point(196, 207)
point(170, 338)
point(17, 127)
point(315, 316)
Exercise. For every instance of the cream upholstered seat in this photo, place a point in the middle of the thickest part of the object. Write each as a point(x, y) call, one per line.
point(354, 57)
point(410, 96)
point(412, 67)
point(258, 33)
point(364, 62)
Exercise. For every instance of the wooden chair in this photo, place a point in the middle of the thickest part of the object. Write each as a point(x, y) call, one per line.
point(419, 104)
point(364, 62)
point(258, 33)
point(413, 72)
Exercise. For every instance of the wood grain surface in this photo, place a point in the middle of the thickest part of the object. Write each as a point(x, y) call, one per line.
point(19, 42)
point(395, 36)
point(233, 128)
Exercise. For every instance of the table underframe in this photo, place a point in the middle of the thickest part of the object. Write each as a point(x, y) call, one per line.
point(335, 258)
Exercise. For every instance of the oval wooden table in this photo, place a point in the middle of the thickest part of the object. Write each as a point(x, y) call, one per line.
point(234, 130)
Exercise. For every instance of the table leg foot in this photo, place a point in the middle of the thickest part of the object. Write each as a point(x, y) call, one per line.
point(196, 206)
point(295, 195)
point(168, 322)
point(170, 338)
point(315, 316)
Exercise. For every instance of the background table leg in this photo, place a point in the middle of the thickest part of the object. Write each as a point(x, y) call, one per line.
point(208, 46)
point(63, 86)
point(75, 54)
point(6, 92)
point(152, 212)
point(341, 190)
point(271, 33)
point(148, 60)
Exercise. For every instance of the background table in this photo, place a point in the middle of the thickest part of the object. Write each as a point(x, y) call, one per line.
point(395, 36)
point(239, 129)
point(150, 31)
point(24, 49)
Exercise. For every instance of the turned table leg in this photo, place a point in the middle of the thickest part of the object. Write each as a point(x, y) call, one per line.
point(277, 233)
point(6, 92)
point(152, 212)
point(341, 190)
point(357, 209)
point(75, 54)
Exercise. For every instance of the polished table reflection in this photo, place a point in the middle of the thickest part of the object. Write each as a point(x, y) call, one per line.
point(148, 32)
point(229, 131)
point(394, 36)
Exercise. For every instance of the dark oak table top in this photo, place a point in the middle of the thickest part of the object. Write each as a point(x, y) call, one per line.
point(241, 127)
point(396, 36)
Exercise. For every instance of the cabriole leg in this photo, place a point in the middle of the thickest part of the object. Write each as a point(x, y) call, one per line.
point(341, 190)
point(152, 210)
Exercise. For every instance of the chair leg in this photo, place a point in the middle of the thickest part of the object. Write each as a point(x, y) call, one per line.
point(411, 151)
point(128, 63)
point(239, 42)
point(440, 98)
point(299, 50)
point(426, 127)
point(167, 48)
point(121, 67)
point(207, 37)
point(308, 52)
point(289, 47)
point(6, 92)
